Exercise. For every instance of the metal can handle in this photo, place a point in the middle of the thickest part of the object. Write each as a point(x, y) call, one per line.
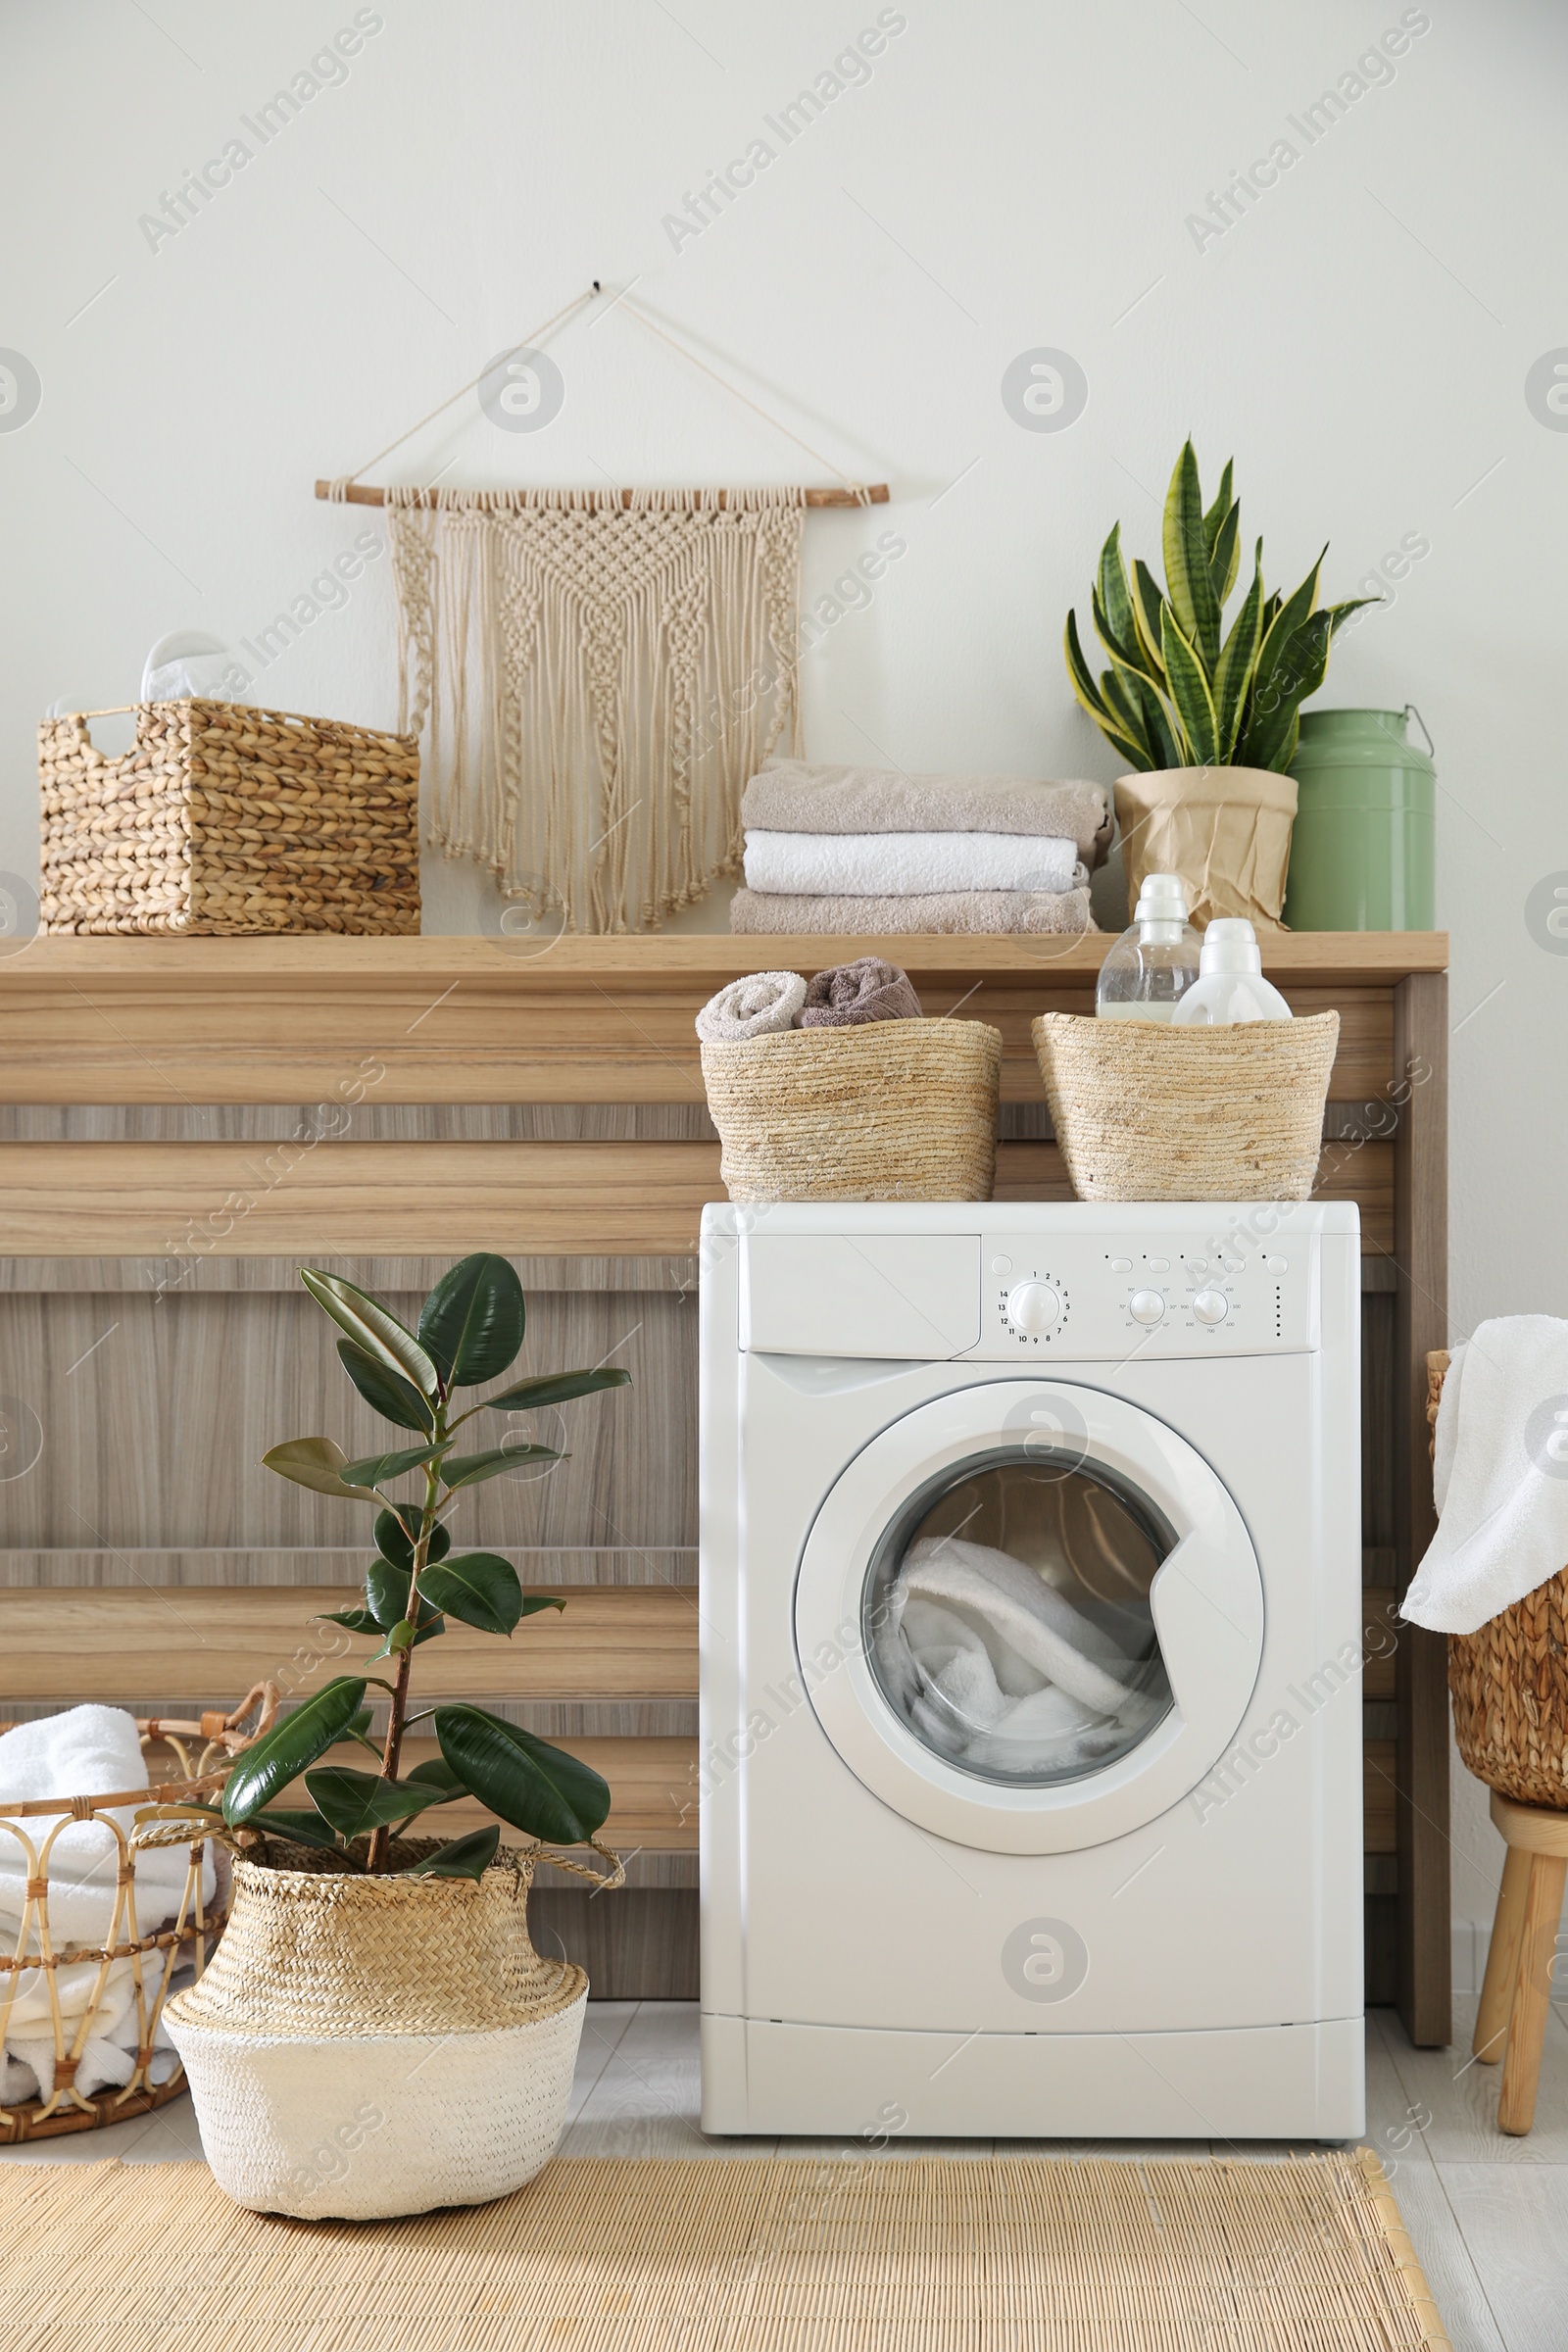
point(1411, 711)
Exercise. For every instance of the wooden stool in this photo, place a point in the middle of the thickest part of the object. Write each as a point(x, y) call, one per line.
point(1517, 1992)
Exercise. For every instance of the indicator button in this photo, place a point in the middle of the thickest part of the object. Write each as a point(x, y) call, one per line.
point(1278, 1265)
point(1001, 1265)
point(1121, 1265)
point(1157, 1265)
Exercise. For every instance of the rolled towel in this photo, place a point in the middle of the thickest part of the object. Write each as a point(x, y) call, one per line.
point(758, 912)
point(752, 1007)
point(791, 795)
point(867, 990)
point(907, 864)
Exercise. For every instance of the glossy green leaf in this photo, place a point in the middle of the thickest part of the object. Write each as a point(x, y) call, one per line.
point(373, 1327)
point(1187, 581)
point(357, 1621)
point(301, 1829)
point(464, 1858)
point(1149, 606)
point(356, 1801)
point(1226, 555)
point(375, 1468)
point(387, 1392)
point(538, 1788)
point(290, 1746)
point(315, 1462)
point(438, 1774)
point(472, 1469)
point(1110, 725)
point(397, 1532)
point(1188, 690)
point(557, 1388)
point(472, 1324)
point(1224, 503)
point(478, 1586)
point(1234, 676)
point(386, 1592)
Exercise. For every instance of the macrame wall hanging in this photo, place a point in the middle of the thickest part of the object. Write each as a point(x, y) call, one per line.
point(597, 673)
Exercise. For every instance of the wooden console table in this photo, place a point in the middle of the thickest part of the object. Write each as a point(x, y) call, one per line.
point(182, 1122)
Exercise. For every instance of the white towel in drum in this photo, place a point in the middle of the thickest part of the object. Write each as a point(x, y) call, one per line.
point(1499, 1475)
point(906, 864)
point(86, 1751)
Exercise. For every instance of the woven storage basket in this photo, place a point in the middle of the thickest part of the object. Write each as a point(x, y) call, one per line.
point(1145, 1111)
point(887, 1111)
point(123, 1963)
point(1510, 1680)
point(228, 819)
point(365, 2046)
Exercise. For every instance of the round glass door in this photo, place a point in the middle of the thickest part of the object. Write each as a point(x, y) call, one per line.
point(1007, 1620)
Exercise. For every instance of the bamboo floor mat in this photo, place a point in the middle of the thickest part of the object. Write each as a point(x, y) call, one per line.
point(628, 2255)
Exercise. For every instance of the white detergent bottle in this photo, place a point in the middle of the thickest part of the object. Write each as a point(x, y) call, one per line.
point(1153, 964)
point(1230, 984)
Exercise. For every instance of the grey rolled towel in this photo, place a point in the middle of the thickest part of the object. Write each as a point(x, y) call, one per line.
point(756, 1006)
point(794, 796)
point(949, 910)
point(867, 990)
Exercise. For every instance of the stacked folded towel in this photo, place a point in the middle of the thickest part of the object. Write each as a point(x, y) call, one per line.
point(871, 851)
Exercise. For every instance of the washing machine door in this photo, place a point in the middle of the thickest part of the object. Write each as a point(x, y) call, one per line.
point(1029, 1616)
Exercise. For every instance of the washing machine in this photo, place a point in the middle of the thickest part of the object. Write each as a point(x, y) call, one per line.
point(1030, 1765)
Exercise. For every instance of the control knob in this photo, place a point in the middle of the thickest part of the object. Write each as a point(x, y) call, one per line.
point(1146, 1306)
point(1212, 1307)
point(1033, 1307)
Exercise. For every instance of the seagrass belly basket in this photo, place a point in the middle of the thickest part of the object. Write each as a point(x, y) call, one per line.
point(223, 819)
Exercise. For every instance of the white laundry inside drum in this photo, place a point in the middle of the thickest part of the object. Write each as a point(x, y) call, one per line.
point(1010, 1625)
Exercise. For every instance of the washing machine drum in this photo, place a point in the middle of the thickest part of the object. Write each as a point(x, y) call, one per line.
point(1029, 1616)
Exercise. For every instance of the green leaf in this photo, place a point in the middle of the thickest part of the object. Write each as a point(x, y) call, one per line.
point(472, 1322)
point(1148, 607)
point(1300, 674)
point(1110, 724)
point(1224, 503)
point(1235, 673)
point(1273, 702)
point(315, 1462)
point(397, 1532)
point(357, 1802)
point(303, 1829)
point(1226, 555)
point(1189, 689)
point(370, 1326)
point(386, 1591)
point(478, 1586)
point(464, 1858)
point(438, 1774)
point(536, 1787)
point(290, 1746)
point(357, 1621)
point(1111, 602)
point(472, 1469)
point(1187, 580)
point(388, 1392)
point(556, 1387)
point(378, 1466)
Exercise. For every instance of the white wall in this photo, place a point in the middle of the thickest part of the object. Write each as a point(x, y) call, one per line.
point(1006, 177)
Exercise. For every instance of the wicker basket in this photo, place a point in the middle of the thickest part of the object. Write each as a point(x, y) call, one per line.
point(1144, 1112)
point(228, 819)
point(1510, 1680)
point(887, 1111)
point(188, 1942)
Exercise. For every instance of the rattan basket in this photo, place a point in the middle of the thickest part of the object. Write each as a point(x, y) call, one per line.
point(887, 1111)
point(1510, 1680)
point(228, 819)
point(188, 1942)
point(1144, 1112)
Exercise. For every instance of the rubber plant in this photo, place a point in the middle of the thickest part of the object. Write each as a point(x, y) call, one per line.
point(1181, 691)
point(470, 1331)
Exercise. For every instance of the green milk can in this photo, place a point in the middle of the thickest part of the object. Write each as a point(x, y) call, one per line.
point(1362, 850)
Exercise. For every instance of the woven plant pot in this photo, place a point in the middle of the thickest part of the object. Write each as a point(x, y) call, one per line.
point(1145, 1111)
point(1225, 830)
point(888, 1110)
point(366, 2046)
point(1508, 1680)
point(227, 820)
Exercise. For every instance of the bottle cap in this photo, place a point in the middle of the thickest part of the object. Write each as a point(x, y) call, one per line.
point(1230, 945)
point(1161, 900)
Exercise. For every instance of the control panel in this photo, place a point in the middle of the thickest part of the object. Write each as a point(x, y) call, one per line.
point(1223, 1293)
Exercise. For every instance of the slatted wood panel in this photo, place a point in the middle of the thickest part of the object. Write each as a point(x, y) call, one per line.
point(446, 1020)
point(233, 1199)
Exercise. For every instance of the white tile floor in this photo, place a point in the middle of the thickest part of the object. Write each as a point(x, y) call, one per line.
point(1489, 2214)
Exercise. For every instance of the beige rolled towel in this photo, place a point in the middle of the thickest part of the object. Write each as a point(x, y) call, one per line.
point(793, 796)
point(1016, 910)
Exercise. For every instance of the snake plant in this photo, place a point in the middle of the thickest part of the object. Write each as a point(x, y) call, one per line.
point(1178, 693)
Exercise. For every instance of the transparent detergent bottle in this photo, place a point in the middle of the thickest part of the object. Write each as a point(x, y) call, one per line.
point(1154, 963)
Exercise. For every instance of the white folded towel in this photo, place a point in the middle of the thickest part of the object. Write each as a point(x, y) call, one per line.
point(86, 1751)
point(1499, 1475)
point(756, 1006)
point(906, 864)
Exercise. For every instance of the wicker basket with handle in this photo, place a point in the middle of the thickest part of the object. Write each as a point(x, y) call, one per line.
point(203, 1752)
point(1510, 1679)
point(228, 819)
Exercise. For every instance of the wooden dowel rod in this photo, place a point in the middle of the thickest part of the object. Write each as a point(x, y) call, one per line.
point(366, 494)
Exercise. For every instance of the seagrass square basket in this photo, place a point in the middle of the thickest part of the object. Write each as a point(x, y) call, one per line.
point(225, 820)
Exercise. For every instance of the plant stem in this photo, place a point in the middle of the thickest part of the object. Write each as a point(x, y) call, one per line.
point(391, 1753)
